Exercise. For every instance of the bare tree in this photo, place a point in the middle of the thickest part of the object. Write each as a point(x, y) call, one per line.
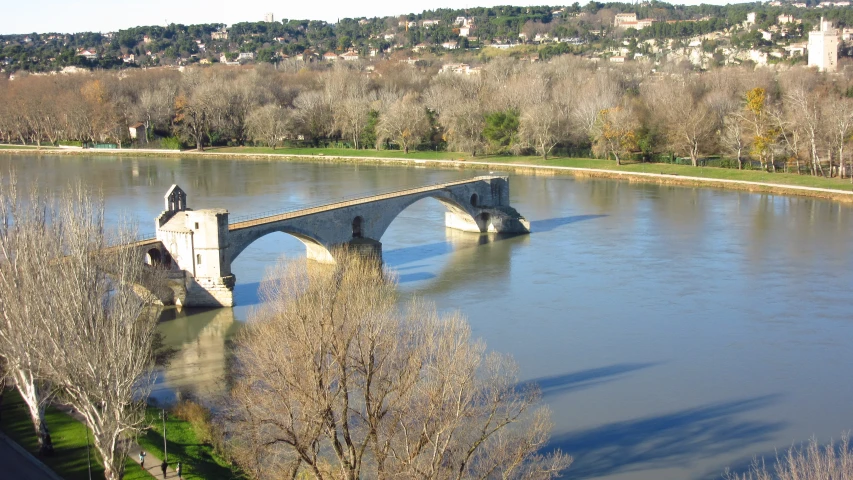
point(23, 243)
point(93, 335)
point(734, 138)
point(599, 92)
point(405, 123)
point(809, 462)
point(313, 115)
point(839, 114)
point(156, 107)
point(683, 114)
point(268, 124)
point(348, 94)
point(333, 381)
point(540, 127)
point(457, 101)
point(803, 101)
point(101, 332)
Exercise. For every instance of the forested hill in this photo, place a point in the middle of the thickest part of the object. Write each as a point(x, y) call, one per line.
point(582, 28)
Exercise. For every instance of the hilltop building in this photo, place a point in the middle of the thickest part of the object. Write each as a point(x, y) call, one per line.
point(269, 18)
point(823, 47)
point(629, 20)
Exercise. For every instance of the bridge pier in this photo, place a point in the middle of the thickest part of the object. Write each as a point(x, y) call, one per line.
point(366, 247)
point(489, 220)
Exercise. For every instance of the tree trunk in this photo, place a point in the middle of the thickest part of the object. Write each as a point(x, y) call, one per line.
point(112, 469)
point(841, 167)
point(31, 395)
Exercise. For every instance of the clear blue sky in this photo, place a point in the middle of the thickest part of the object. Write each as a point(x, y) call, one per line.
point(27, 16)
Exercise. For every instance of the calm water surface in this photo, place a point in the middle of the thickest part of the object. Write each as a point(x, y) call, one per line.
point(674, 331)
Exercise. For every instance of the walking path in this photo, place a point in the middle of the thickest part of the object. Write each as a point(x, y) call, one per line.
point(152, 463)
point(21, 464)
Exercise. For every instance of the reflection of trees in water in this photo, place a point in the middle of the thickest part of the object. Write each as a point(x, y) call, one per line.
point(200, 365)
point(794, 227)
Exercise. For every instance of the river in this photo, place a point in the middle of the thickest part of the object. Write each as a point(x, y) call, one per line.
point(674, 331)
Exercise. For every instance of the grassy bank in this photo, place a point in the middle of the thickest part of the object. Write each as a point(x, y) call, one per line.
point(198, 458)
point(712, 173)
point(69, 441)
point(18, 147)
point(672, 174)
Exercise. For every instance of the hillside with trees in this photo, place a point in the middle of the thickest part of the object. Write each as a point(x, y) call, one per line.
point(551, 30)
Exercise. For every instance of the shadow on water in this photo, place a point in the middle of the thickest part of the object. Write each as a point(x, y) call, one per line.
point(415, 277)
point(569, 382)
point(666, 440)
point(548, 224)
point(415, 253)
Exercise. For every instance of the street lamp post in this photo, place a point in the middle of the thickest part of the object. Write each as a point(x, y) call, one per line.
point(88, 455)
point(165, 452)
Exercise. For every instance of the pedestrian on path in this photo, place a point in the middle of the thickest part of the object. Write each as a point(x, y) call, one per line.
point(179, 470)
point(164, 466)
point(142, 458)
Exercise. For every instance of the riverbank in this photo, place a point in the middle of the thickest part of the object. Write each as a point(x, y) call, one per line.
point(69, 438)
point(658, 173)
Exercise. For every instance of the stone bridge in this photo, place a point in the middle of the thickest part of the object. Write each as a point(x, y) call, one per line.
point(199, 246)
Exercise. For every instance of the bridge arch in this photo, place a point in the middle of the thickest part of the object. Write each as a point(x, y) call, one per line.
point(459, 205)
point(153, 257)
point(315, 247)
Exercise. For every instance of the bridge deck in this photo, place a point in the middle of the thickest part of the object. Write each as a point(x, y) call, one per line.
point(347, 203)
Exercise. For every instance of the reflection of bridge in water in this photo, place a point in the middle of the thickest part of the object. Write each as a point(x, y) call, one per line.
point(200, 364)
point(200, 246)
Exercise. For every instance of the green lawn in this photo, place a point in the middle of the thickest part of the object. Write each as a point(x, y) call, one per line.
point(198, 459)
point(687, 170)
point(12, 147)
point(69, 441)
point(682, 170)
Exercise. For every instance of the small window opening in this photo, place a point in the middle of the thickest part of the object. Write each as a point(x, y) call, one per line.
point(196, 225)
point(356, 227)
point(198, 258)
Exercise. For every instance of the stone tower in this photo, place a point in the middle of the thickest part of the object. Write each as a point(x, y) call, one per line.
point(197, 240)
point(823, 47)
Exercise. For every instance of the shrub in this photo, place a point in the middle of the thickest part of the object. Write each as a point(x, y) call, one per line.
point(171, 143)
point(197, 416)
